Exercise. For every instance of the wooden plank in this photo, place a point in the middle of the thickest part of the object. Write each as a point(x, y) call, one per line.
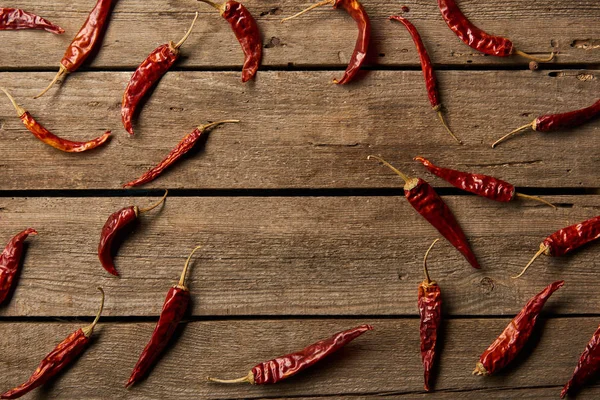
point(296, 256)
point(299, 131)
point(384, 362)
point(324, 37)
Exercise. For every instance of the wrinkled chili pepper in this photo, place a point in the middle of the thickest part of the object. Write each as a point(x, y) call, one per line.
point(426, 201)
point(283, 367)
point(477, 39)
point(10, 261)
point(63, 354)
point(479, 184)
point(115, 223)
point(587, 367)
point(514, 337)
point(16, 19)
point(185, 145)
point(428, 72)
point(358, 13)
point(51, 139)
point(148, 74)
point(85, 42)
point(555, 122)
point(246, 31)
point(172, 313)
point(567, 239)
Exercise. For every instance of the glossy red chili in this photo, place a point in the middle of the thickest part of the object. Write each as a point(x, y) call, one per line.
point(512, 340)
point(587, 367)
point(10, 261)
point(16, 19)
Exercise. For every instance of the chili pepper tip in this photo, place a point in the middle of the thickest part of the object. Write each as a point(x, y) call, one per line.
point(88, 330)
point(319, 4)
point(152, 207)
point(62, 72)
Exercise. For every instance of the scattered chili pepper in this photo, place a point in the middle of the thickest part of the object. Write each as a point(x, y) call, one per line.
point(588, 365)
point(15, 19)
point(358, 13)
point(426, 201)
point(113, 225)
point(85, 42)
point(430, 309)
point(148, 74)
point(481, 185)
point(173, 310)
point(555, 122)
point(283, 367)
point(246, 31)
point(428, 72)
point(63, 354)
point(512, 340)
point(567, 239)
point(10, 261)
point(185, 145)
point(51, 139)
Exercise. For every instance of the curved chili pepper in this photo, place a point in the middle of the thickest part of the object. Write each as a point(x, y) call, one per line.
point(148, 74)
point(85, 42)
point(246, 31)
point(426, 201)
point(172, 313)
point(567, 239)
point(10, 261)
point(588, 365)
point(51, 139)
point(512, 340)
point(185, 145)
point(555, 122)
point(15, 19)
point(113, 225)
point(359, 15)
point(477, 39)
point(481, 185)
point(63, 354)
point(283, 367)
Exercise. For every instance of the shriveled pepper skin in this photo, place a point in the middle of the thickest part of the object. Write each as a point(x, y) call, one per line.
point(15, 19)
point(10, 261)
point(355, 9)
point(115, 222)
point(430, 310)
point(573, 119)
point(587, 367)
point(568, 239)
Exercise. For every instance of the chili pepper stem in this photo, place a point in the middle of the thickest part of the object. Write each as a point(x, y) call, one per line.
point(441, 116)
point(62, 72)
point(390, 166)
point(213, 124)
point(526, 196)
point(187, 34)
point(479, 370)
point(319, 4)
point(20, 110)
point(522, 128)
point(88, 330)
point(529, 56)
point(215, 5)
point(152, 207)
point(539, 253)
point(181, 283)
point(425, 260)
point(246, 379)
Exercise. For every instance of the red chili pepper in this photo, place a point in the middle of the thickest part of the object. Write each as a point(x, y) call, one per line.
point(172, 313)
point(426, 201)
point(16, 19)
point(587, 367)
point(148, 74)
point(185, 145)
point(246, 31)
point(477, 39)
point(481, 185)
point(113, 225)
point(87, 40)
point(283, 367)
point(514, 337)
point(567, 239)
point(358, 13)
point(10, 261)
point(63, 354)
point(51, 139)
point(556, 122)
point(428, 72)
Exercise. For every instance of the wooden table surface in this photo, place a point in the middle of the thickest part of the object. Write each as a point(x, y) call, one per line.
point(302, 235)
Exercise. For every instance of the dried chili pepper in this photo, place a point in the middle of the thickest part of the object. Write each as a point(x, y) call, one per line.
point(426, 201)
point(428, 72)
point(85, 42)
point(481, 185)
point(567, 239)
point(283, 367)
point(63, 354)
point(512, 340)
point(246, 31)
point(16, 19)
point(172, 313)
point(10, 261)
point(115, 223)
point(148, 74)
point(185, 145)
point(588, 365)
point(51, 139)
point(358, 13)
point(477, 39)
point(555, 122)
